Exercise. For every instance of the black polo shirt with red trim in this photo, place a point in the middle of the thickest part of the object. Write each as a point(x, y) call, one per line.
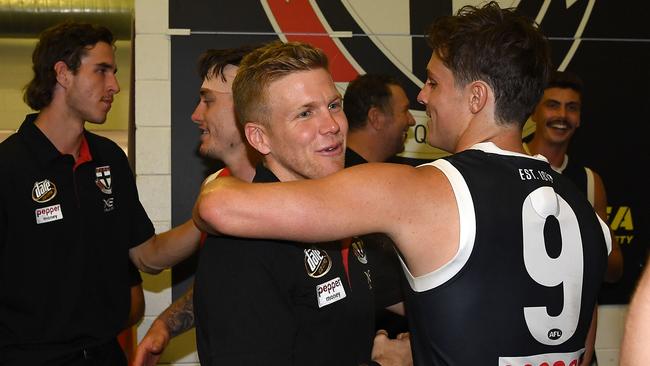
point(65, 234)
point(269, 302)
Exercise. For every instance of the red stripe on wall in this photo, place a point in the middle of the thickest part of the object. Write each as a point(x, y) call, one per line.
point(298, 16)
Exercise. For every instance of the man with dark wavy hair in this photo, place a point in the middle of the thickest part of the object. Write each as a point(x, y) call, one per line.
point(503, 255)
point(221, 138)
point(71, 223)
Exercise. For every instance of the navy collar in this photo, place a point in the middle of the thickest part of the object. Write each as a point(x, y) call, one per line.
point(352, 158)
point(264, 175)
point(43, 149)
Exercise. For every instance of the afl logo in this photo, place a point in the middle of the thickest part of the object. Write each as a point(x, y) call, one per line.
point(554, 334)
point(43, 191)
point(317, 262)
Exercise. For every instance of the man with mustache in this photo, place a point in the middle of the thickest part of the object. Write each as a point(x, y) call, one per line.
point(557, 117)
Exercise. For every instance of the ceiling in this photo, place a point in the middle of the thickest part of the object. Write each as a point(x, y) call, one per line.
point(27, 18)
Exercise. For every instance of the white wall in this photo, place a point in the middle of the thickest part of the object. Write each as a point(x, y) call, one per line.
point(611, 321)
point(153, 155)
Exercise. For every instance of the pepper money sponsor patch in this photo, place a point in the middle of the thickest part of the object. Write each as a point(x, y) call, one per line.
point(48, 214)
point(330, 292)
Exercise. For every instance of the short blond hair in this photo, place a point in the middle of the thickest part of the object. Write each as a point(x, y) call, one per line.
point(265, 65)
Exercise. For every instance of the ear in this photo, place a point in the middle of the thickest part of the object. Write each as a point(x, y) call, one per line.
point(62, 73)
point(376, 118)
point(256, 134)
point(533, 114)
point(478, 96)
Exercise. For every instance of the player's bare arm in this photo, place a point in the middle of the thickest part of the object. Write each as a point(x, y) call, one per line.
point(165, 250)
point(332, 208)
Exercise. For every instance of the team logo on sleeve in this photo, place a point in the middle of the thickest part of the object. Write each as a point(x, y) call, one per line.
point(103, 179)
point(43, 191)
point(359, 252)
point(317, 262)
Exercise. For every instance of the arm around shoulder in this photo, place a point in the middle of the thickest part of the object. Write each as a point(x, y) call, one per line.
point(215, 202)
point(310, 210)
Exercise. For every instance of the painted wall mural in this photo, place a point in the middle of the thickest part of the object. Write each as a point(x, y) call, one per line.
point(602, 41)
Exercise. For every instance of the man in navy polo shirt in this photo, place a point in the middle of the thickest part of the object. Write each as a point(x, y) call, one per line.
point(267, 302)
point(70, 217)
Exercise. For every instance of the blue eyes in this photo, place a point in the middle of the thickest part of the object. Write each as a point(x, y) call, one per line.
point(335, 105)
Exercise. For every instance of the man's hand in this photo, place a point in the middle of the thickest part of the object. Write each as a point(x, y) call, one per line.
point(392, 352)
point(152, 345)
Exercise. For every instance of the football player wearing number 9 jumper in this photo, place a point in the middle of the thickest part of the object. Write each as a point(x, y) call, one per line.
point(504, 256)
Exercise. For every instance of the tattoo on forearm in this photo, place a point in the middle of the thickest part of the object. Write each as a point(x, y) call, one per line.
point(179, 317)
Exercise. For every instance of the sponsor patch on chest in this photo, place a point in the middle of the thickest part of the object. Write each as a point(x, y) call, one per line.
point(317, 262)
point(330, 292)
point(43, 191)
point(48, 214)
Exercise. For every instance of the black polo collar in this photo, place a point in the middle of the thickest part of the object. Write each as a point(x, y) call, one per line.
point(264, 175)
point(44, 151)
point(352, 158)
